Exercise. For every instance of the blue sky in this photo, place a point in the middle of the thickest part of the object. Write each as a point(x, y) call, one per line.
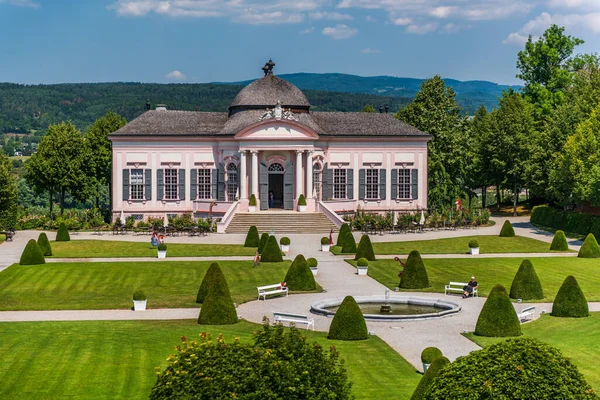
point(48, 41)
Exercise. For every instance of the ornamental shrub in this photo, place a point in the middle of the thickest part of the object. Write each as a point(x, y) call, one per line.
point(559, 242)
point(162, 246)
point(252, 201)
point(252, 239)
point(473, 244)
point(498, 317)
point(32, 254)
point(324, 240)
point(285, 241)
point(507, 230)
point(342, 234)
point(429, 354)
point(362, 262)
point(301, 200)
point(312, 262)
point(349, 245)
point(512, 369)
point(415, 274)
point(139, 295)
point(365, 249)
point(264, 238)
point(348, 322)
point(44, 244)
point(271, 252)
point(589, 248)
point(299, 277)
point(526, 284)
point(211, 276)
point(213, 369)
point(63, 233)
point(434, 370)
point(568, 221)
point(570, 301)
point(217, 307)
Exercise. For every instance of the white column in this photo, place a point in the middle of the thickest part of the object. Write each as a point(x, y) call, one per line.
point(309, 174)
point(243, 190)
point(255, 173)
point(299, 173)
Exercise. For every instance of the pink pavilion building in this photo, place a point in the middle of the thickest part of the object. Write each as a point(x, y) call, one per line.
point(271, 145)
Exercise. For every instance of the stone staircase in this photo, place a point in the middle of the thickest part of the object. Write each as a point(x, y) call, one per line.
point(281, 222)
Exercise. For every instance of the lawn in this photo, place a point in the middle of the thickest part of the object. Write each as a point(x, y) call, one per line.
point(111, 249)
point(491, 271)
point(79, 286)
point(460, 245)
point(2, 238)
point(578, 339)
point(117, 359)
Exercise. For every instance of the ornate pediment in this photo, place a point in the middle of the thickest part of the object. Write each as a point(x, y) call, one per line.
point(278, 113)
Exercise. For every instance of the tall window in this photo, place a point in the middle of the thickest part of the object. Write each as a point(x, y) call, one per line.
point(171, 185)
point(372, 184)
point(204, 184)
point(136, 184)
point(339, 183)
point(317, 180)
point(404, 184)
point(232, 181)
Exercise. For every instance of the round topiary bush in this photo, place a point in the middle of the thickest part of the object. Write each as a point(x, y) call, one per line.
point(348, 322)
point(498, 317)
point(570, 301)
point(429, 354)
point(362, 262)
point(415, 274)
point(218, 307)
point(264, 238)
point(507, 230)
point(512, 369)
point(44, 244)
point(285, 241)
point(63, 233)
point(473, 244)
point(252, 238)
point(271, 252)
point(589, 248)
point(324, 240)
point(349, 245)
point(365, 249)
point(162, 246)
point(312, 262)
point(209, 280)
point(559, 242)
point(32, 254)
point(299, 276)
point(344, 229)
point(526, 284)
point(434, 370)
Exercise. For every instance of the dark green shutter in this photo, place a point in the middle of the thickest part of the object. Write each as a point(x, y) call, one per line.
point(415, 183)
point(361, 184)
point(221, 183)
point(193, 184)
point(160, 186)
point(382, 184)
point(350, 185)
point(181, 178)
point(215, 183)
point(125, 184)
point(263, 187)
point(394, 184)
point(148, 184)
point(327, 183)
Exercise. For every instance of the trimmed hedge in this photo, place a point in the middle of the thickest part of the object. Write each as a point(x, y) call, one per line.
point(429, 354)
point(415, 274)
point(434, 369)
point(526, 284)
point(162, 246)
point(559, 241)
point(365, 249)
point(312, 262)
point(349, 245)
point(362, 262)
point(507, 230)
point(299, 276)
point(44, 244)
point(342, 234)
point(139, 295)
point(567, 221)
point(32, 254)
point(63, 233)
point(264, 238)
point(324, 240)
point(209, 280)
point(272, 251)
point(348, 322)
point(589, 248)
point(570, 301)
point(498, 317)
point(285, 241)
point(218, 307)
point(473, 244)
point(252, 238)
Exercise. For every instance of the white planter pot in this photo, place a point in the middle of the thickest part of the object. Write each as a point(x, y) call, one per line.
point(474, 250)
point(362, 270)
point(139, 305)
point(325, 247)
point(162, 254)
point(425, 367)
point(302, 208)
point(285, 247)
point(314, 271)
point(251, 208)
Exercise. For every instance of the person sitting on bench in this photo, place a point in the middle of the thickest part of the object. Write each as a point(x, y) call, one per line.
point(468, 288)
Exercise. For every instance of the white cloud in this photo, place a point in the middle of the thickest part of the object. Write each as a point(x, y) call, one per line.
point(176, 76)
point(21, 3)
point(535, 27)
point(443, 12)
point(331, 16)
point(451, 28)
point(401, 21)
point(421, 29)
point(516, 38)
point(369, 50)
point(340, 31)
point(308, 30)
point(370, 18)
point(584, 5)
point(276, 17)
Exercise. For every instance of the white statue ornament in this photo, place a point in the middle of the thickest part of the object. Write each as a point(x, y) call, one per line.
point(278, 113)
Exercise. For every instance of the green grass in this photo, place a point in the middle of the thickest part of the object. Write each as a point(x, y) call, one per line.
point(488, 244)
point(577, 338)
point(2, 238)
point(111, 249)
point(79, 286)
point(491, 271)
point(117, 359)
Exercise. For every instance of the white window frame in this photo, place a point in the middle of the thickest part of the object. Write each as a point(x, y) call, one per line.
point(171, 188)
point(232, 184)
point(404, 184)
point(204, 178)
point(138, 187)
point(340, 183)
point(372, 184)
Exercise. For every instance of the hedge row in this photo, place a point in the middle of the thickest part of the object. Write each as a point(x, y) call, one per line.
point(565, 220)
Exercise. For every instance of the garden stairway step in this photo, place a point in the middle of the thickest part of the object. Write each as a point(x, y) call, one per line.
point(281, 222)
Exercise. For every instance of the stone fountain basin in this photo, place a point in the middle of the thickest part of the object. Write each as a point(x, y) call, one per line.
point(446, 308)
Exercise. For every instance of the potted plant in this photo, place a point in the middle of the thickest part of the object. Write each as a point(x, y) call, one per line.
point(362, 265)
point(162, 250)
point(252, 204)
point(285, 243)
point(139, 300)
point(474, 247)
point(324, 243)
point(428, 355)
point(301, 203)
point(313, 264)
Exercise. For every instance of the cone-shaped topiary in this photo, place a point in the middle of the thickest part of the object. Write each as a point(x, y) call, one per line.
point(63, 233)
point(44, 244)
point(209, 280)
point(434, 369)
point(218, 307)
point(299, 277)
point(559, 242)
point(252, 238)
point(264, 238)
point(32, 254)
point(348, 322)
point(526, 284)
point(365, 249)
point(271, 252)
point(589, 248)
point(570, 301)
point(415, 274)
point(342, 234)
point(498, 317)
point(349, 245)
point(507, 230)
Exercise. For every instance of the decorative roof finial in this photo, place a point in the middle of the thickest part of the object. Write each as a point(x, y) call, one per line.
point(268, 68)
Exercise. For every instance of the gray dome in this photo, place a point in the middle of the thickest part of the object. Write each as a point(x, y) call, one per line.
point(266, 91)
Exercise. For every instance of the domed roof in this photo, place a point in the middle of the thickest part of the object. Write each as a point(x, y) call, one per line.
point(266, 91)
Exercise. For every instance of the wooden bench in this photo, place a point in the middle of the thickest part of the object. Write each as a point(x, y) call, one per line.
point(458, 287)
point(295, 318)
point(264, 291)
point(526, 314)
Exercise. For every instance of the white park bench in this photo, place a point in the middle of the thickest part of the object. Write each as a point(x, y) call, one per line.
point(295, 318)
point(458, 287)
point(526, 314)
point(264, 291)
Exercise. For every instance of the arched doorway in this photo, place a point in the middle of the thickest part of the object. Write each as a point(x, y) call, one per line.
point(276, 172)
